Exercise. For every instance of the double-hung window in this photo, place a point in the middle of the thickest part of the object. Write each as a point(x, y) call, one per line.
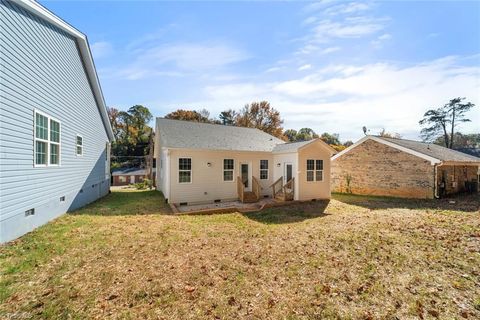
point(79, 145)
point(47, 140)
point(184, 170)
point(263, 169)
point(314, 170)
point(228, 168)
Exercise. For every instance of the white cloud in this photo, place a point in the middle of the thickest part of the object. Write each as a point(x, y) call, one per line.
point(348, 8)
point(349, 28)
point(343, 98)
point(305, 67)
point(101, 49)
point(182, 58)
point(385, 36)
point(379, 41)
point(330, 50)
point(337, 22)
point(273, 69)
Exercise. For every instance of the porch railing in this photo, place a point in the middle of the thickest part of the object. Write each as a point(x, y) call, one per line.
point(277, 187)
point(240, 189)
point(285, 191)
point(256, 187)
point(289, 189)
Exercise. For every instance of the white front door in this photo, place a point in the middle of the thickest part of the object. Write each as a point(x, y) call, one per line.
point(132, 179)
point(246, 175)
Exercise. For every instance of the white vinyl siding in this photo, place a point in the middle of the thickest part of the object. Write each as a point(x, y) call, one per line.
point(47, 140)
point(228, 169)
point(184, 170)
point(263, 169)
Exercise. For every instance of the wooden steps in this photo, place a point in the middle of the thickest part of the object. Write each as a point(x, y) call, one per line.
point(249, 197)
point(281, 196)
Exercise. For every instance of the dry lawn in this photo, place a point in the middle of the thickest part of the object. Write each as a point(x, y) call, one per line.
point(127, 257)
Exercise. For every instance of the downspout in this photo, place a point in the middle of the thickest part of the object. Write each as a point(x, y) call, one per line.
point(435, 181)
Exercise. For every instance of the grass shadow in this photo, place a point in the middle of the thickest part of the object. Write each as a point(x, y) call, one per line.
point(122, 203)
point(290, 213)
point(461, 202)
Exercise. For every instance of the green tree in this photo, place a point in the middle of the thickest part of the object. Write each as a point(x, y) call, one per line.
point(331, 139)
point(227, 117)
point(189, 115)
point(444, 121)
point(132, 135)
point(306, 134)
point(291, 135)
point(461, 140)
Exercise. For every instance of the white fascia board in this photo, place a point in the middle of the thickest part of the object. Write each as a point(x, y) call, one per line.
point(390, 144)
point(85, 53)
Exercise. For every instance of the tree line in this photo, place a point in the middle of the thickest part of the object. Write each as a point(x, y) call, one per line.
point(260, 115)
point(133, 134)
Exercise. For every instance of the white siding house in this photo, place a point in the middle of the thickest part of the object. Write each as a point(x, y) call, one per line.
point(202, 163)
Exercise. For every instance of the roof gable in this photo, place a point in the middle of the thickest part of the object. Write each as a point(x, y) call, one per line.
point(430, 152)
point(296, 146)
point(85, 54)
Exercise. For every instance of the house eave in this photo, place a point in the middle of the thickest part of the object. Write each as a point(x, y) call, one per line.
point(432, 160)
point(85, 53)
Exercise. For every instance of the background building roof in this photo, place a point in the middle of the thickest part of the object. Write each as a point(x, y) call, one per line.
point(433, 150)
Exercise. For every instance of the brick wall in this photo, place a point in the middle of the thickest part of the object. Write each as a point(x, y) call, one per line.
point(377, 169)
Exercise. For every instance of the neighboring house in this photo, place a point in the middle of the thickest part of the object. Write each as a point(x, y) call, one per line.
point(403, 168)
point(123, 177)
point(199, 162)
point(54, 128)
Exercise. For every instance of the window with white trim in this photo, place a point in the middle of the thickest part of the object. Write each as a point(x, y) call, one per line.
point(263, 169)
point(228, 168)
point(184, 170)
point(47, 140)
point(79, 145)
point(314, 170)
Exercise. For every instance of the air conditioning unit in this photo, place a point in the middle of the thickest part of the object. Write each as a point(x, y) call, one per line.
point(454, 184)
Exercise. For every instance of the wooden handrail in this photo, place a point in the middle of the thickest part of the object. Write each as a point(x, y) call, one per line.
point(273, 186)
point(289, 185)
point(256, 187)
point(240, 187)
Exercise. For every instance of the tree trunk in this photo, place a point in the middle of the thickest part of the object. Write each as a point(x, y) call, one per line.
point(445, 134)
point(453, 126)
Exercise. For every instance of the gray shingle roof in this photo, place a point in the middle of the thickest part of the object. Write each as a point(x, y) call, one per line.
point(206, 136)
point(129, 171)
point(433, 150)
point(290, 147)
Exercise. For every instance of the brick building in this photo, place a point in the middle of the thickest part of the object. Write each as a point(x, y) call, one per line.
point(123, 177)
point(403, 168)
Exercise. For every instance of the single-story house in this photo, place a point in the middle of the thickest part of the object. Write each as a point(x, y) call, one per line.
point(403, 168)
point(126, 176)
point(54, 129)
point(201, 163)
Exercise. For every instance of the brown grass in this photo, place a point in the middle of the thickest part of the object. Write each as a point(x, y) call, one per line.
point(126, 257)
